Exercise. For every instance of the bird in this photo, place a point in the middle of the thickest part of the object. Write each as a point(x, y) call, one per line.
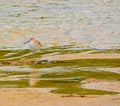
point(34, 44)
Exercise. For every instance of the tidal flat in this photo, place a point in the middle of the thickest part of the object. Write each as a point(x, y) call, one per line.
point(65, 75)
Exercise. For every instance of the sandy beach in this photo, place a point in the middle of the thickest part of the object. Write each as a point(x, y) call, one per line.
point(34, 97)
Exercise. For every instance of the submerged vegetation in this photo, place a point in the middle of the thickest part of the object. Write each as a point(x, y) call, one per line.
point(13, 55)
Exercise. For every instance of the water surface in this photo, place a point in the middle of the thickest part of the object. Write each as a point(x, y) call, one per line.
point(64, 22)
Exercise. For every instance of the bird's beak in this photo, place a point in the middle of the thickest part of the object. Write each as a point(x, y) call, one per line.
point(27, 41)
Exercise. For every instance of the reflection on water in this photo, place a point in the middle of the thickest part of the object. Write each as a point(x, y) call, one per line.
point(34, 77)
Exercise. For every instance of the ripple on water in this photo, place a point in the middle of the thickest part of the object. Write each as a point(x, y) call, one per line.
point(49, 19)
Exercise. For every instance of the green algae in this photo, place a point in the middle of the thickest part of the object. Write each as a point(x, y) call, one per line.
point(67, 82)
point(64, 87)
point(84, 74)
point(66, 49)
point(81, 63)
point(14, 84)
point(9, 73)
point(70, 87)
point(28, 54)
point(3, 53)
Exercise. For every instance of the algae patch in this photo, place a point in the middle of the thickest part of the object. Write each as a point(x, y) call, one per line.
point(66, 76)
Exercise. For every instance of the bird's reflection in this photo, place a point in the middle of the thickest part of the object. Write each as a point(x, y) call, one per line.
point(34, 78)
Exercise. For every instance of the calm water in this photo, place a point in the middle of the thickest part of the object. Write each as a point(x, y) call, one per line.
point(60, 22)
point(63, 27)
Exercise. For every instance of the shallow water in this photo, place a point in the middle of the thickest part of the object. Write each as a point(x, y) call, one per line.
point(64, 22)
point(63, 27)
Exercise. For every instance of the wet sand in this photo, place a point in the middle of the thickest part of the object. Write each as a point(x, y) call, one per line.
point(82, 56)
point(34, 97)
point(107, 85)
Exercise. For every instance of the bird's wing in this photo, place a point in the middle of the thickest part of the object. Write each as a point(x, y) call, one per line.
point(38, 43)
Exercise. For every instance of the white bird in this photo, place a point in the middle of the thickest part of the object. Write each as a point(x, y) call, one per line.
point(34, 44)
